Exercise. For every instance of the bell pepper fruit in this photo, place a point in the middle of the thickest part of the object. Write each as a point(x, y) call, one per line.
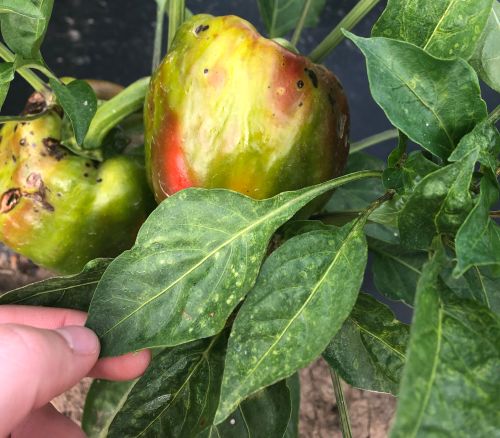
point(229, 108)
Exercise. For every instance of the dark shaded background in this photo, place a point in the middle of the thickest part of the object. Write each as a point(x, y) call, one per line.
point(113, 40)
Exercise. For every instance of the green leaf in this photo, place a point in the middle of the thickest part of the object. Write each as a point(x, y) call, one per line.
point(439, 204)
point(281, 16)
point(369, 350)
point(450, 384)
point(24, 34)
point(478, 239)
point(195, 258)
point(72, 291)
point(104, 399)
point(6, 76)
point(24, 8)
point(478, 284)
point(396, 270)
point(79, 103)
point(293, 383)
point(444, 28)
point(485, 140)
point(486, 58)
point(305, 291)
point(264, 414)
point(420, 93)
point(178, 394)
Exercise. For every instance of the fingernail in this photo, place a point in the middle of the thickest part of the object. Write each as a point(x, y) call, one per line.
point(80, 339)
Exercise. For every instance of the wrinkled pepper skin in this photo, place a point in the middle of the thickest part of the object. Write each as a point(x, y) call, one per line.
point(229, 108)
point(62, 210)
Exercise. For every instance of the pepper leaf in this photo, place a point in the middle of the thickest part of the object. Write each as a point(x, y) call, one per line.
point(420, 93)
point(369, 350)
point(6, 76)
point(453, 359)
point(180, 282)
point(485, 140)
point(24, 34)
point(486, 58)
point(72, 291)
point(79, 103)
point(438, 204)
point(178, 394)
point(264, 414)
point(281, 16)
point(478, 239)
point(24, 8)
point(396, 270)
point(444, 28)
point(104, 399)
point(305, 291)
point(293, 383)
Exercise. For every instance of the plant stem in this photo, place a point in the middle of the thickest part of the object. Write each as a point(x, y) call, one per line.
point(176, 9)
point(22, 118)
point(110, 113)
point(24, 72)
point(345, 424)
point(300, 25)
point(331, 41)
point(495, 213)
point(494, 115)
point(373, 139)
point(160, 18)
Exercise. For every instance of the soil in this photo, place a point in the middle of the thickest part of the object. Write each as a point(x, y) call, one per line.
point(371, 413)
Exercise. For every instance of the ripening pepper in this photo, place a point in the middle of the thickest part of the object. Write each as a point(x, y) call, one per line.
point(229, 108)
point(62, 210)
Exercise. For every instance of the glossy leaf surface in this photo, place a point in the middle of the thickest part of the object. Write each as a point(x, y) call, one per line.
point(195, 258)
point(420, 93)
point(369, 350)
point(305, 291)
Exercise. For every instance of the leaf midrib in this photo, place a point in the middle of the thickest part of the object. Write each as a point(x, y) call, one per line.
point(434, 31)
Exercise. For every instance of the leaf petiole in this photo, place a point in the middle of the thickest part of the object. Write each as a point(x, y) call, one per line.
point(28, 75)
point(494, 115)
point(345, 424)
point(160, 18)
point(300, 25)
point(176, 11)
point(332, 40)
point(373, 139)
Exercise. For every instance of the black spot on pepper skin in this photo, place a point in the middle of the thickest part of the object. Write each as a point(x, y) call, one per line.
point(9, 200)
point(53, 147)
point(312, 76)
point(14, 158)
point(301, 103)
point(15, 128)
point(32, 133)
point(300, 83)
point(22, 142)
point(201, 28)
point(86, 175)
point(205, 70)
point(98, 180)
point(87, 164)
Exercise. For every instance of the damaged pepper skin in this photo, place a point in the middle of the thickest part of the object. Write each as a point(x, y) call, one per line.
point(231, 109)
point(61, 210)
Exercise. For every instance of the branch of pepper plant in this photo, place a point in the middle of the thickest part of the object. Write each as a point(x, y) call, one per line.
point(345, 424)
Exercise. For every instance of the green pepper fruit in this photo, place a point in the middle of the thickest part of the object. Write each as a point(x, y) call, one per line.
point(229, 108)
point(62, 210)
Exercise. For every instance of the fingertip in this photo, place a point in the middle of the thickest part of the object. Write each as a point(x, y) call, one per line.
point(81, 340)
point(126, 367)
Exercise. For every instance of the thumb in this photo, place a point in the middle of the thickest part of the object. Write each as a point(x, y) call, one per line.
point(37, 364)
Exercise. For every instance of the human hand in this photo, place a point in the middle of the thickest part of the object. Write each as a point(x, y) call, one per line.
point(44, 352)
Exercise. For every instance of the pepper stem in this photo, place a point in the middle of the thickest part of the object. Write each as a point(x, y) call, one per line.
point(362, 8)
point(494, 115)
point(24, 72)
point(372, 140)
point(345, 424)
point(176, 10)
point(300, 25)
point(113, 111)
point(160, 18)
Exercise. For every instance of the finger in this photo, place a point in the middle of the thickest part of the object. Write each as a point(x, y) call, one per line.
point(126, 367)
point(41, 317)
point(38, 364)
point(47, 422)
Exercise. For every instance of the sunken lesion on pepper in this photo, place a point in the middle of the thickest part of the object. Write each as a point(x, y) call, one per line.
point(10, 199)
